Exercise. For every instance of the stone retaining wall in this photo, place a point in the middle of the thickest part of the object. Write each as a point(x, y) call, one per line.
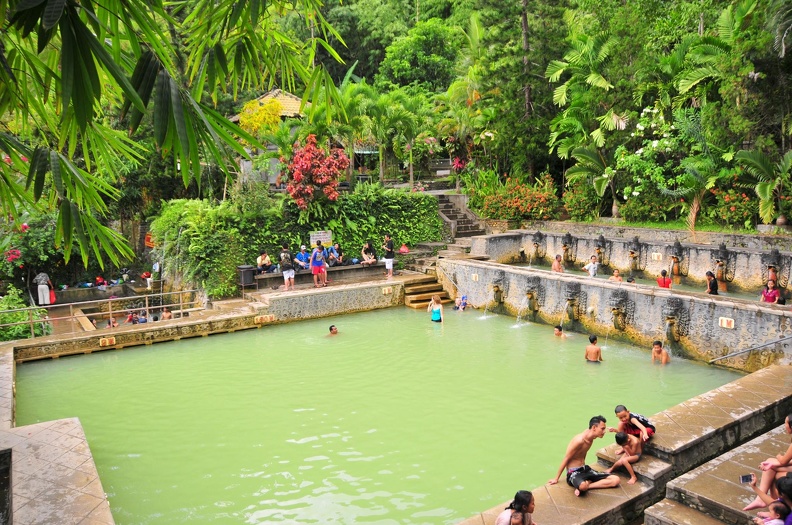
point(752, 241)
point(635, 313)
point(744, 266)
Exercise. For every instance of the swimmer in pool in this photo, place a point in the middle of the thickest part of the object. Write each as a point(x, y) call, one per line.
point(593, 352)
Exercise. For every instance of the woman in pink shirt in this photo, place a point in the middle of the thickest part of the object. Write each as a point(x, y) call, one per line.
point(770, 294)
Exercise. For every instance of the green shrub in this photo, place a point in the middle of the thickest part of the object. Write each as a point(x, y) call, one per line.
point(520, 201)
point(204, 243)
point(649, 205)
point(13, 301)
point(581, 202)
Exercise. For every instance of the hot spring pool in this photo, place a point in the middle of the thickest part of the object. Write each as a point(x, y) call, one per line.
point(394, 420)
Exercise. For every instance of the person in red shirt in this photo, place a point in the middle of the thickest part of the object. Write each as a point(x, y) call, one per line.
point(664, 281)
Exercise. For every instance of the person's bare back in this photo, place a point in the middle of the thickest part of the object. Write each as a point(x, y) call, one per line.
point(593, 353)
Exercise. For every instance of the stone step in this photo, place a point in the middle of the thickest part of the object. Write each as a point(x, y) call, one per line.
point(422, 288)
point(470, 233)
point(649, 468)
point(420, 279)
point(449, 253)
point(466, 242)
point(669, 512)
point(423, 305)
point(430, 246)
point(424, 296)
point(714, 487)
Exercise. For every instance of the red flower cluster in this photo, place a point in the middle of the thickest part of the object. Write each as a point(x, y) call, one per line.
point(458, 164)
point(12, 255)
point(312, 172)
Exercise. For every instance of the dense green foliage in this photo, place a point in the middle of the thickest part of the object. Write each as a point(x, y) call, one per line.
point(12, 300)
point(205, 242)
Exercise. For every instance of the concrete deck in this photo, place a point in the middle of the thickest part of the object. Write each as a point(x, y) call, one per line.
point(714, 488)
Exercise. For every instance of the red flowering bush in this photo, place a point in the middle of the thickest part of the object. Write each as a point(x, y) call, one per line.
point(313, 172)
point(735, 207)
point(520, 201)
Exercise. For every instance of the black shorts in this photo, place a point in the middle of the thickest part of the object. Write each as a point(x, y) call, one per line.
point(585, 473)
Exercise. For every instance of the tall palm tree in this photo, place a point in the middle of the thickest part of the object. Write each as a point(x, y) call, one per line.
point(416, 120)
point(386, 116)
point(780, 23)
point(583, 63)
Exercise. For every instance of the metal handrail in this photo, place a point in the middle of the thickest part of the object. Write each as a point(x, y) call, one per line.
point(181, 304)
point(757, 347)
point(449, 278)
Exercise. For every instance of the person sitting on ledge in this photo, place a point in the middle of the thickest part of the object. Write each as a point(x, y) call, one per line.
point(631, 448)
point(369, 255)
point(775, 468)
point(303, 259)
point(633, 424)
point(264, 263)
point(776, 514)
point(579, 475)
point(333, 255)
point(784, 488)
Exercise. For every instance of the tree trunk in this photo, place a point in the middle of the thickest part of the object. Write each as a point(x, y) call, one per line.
point(382, 164)
point(412, 180)
point(351, 155)
point(695, 207)
point(527, 88)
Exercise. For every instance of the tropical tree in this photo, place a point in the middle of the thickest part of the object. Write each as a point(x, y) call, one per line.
point(417, 113)
point(582, 121)
point(595, 166)
point(60, 92)
point(770, 179)
point(386, 117)
point(780, 24)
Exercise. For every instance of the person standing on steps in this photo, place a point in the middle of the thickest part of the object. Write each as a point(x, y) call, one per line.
point(389, 255)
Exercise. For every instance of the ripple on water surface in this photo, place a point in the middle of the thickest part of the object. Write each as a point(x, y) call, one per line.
point(394, 420)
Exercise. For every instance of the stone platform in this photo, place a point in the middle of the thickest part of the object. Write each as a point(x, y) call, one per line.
point(688, 435)
point(713, 489)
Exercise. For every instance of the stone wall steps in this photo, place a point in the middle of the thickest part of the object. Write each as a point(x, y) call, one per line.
point(714, 487)
point(649, 468)
point(669, 512)
point(423, 288)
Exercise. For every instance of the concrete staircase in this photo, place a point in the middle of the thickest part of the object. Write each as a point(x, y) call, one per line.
point(418, 294)
point(465, 227)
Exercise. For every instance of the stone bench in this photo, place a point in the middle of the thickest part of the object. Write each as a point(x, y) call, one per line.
point(688, 435)
point(333, 272)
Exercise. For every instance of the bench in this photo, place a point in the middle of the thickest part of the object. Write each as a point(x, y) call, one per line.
point(333, 272)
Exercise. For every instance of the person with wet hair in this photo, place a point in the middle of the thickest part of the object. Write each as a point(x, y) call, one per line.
point(523, 504)
point(712, 284)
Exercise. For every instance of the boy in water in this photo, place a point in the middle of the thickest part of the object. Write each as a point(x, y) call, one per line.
point(659, 353)
point(632, 448)
point(593, 352)
point(633, 424)
point(558, 331)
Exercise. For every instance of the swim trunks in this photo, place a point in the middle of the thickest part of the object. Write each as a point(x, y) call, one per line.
point(629, 428)
point(576, 476)
point(593, 362)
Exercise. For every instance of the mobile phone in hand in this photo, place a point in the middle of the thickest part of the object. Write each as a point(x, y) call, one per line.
point(745, 478)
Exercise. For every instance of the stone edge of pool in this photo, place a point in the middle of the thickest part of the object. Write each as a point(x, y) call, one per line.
point(688, 435)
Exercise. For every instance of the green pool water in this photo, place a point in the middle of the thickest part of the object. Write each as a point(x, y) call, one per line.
point(394, 420)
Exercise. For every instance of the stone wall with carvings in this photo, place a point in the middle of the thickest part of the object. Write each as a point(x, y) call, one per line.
point(744, 269)
point(691, 323)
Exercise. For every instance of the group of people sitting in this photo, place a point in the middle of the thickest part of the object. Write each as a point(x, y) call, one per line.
point(775, 487)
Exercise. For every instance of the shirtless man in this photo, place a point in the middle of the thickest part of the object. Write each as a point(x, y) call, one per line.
point(593, 352)
point(580, 475)
point(557, 266)
point(558, 331)
point(660, 353)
